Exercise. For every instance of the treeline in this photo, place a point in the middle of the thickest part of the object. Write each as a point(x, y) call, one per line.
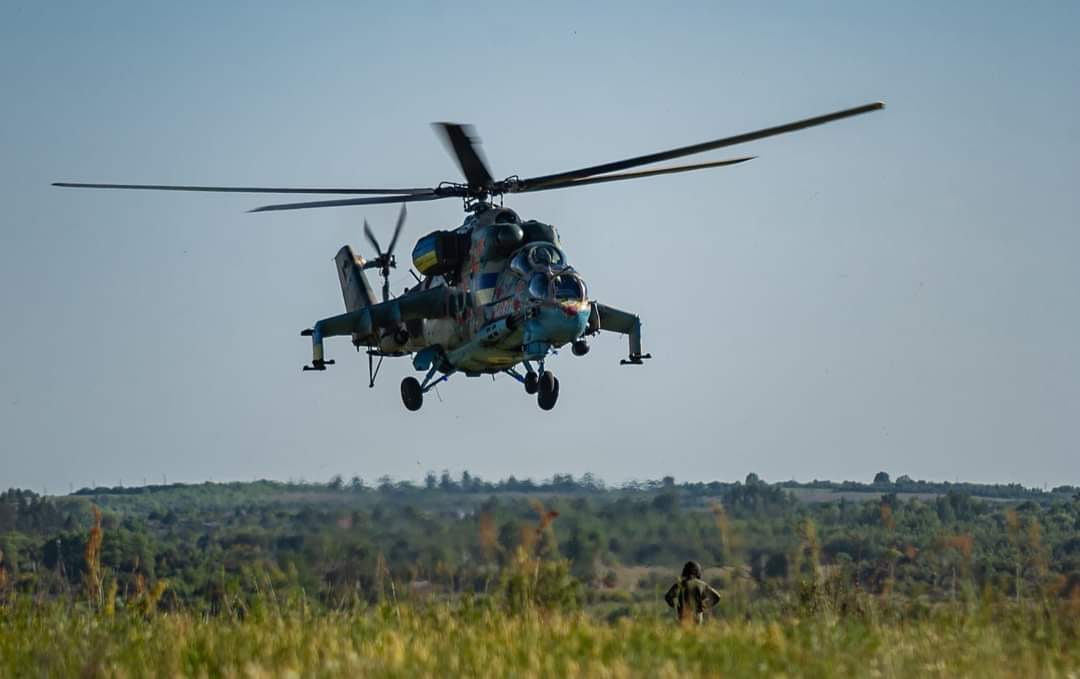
point(590, 483)
point(24, 511)
point(217, 544)
point(905, 484)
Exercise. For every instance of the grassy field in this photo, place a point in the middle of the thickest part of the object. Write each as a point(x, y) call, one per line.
point(437, 640)
point(253, 580)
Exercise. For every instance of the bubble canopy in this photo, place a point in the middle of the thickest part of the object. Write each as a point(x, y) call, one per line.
point(564, 286)
point(538, 257)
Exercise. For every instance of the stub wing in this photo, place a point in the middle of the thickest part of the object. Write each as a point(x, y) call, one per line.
point(604, 317)
point(366, 322)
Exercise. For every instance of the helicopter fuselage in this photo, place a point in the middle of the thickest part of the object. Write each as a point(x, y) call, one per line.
point(523, 297)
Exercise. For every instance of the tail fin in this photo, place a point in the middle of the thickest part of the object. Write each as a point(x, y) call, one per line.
point(354, 284)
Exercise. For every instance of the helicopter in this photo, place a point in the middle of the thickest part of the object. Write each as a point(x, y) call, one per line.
point(493, 295)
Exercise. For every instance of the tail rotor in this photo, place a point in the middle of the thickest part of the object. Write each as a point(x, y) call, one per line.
point(384, 261)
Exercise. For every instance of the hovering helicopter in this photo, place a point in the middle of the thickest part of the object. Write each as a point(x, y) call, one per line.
point(496, 292)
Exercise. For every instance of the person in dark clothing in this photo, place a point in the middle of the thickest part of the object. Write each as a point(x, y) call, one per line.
point(691, 596)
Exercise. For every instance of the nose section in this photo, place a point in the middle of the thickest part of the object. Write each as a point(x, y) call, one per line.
point(557, 325)
point(565, 323)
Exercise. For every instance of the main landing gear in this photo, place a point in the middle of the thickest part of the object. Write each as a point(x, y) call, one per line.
point(411, 393)
point(547, 390)
point(544, 384)
point(412, 390)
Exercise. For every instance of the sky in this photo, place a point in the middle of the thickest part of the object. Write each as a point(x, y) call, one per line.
point(893, 292)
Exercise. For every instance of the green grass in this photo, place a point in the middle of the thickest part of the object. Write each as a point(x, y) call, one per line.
point(437, 640)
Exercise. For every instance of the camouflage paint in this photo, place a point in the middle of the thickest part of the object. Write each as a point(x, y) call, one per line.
point(499, 325)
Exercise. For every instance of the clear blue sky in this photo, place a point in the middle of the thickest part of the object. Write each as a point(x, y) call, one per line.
point(894, 292)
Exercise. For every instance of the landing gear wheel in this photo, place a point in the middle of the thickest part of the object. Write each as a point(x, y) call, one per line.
point(411, 393)
point(580, 347)
point(548, 391)
point(531, 383)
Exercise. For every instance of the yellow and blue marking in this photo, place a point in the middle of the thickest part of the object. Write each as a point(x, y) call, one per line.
point(484, 287)
point(424, 255)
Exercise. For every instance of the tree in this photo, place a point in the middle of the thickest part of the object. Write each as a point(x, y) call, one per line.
point(881, 477)
point(9, 557)
point(446, 482)
point(667, 502)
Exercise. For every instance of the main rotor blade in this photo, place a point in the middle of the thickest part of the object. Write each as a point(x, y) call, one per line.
point(462, 141)
point(240, 189)
point(637, 175)
point(533, 183)
point(397, 230)
point(352, 201)
point(371, 239)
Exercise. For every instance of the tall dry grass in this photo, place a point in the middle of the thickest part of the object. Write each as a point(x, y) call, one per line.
point(469, 639)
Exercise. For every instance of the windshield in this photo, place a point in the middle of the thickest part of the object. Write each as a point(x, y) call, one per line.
point(569, 287)
point(538, 285)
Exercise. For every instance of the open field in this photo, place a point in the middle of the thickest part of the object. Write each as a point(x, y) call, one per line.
point(559, 579)
point(435, 641)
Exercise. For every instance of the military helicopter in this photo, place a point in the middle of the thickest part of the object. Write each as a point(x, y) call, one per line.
point(491, 295)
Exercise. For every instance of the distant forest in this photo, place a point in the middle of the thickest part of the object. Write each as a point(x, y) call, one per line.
point(566, 483)
point(214, 545)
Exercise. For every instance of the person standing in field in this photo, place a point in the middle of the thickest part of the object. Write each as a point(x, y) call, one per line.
point(690, 596)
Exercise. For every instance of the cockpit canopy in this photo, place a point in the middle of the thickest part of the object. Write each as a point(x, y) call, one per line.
point(564, 285)
point(544, 266)
point(538, 257)
point(569, 286)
